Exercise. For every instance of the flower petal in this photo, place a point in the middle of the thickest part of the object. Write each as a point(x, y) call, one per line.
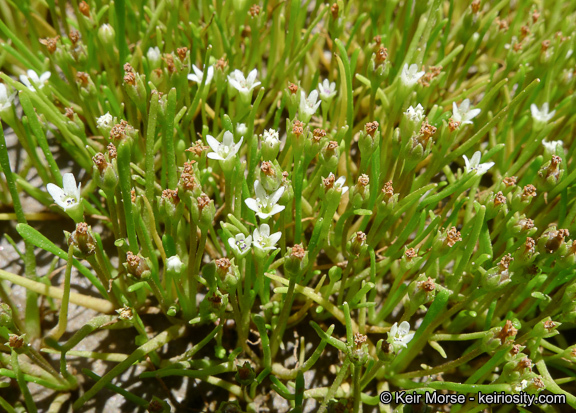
point(55, 192)
point(252, 204)
point(214, 144)
point(277, 195)
point(69, 183)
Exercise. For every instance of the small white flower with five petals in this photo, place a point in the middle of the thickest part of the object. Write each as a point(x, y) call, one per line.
point(32, 75)
point(271, 138)
point(400, 336)
point(541, 115)
point(5, 99)
point(265, 241)
point(225, 150)
point(410, 75)
point(68, 198)
point(240, 244)
point(552, 145)
point(105, 121)
point(463, 114)
point(415, 114)
point(174, 263)
point(198, 75)
point(327, 90)
point(265, 205)
point(308, 105)
point(475, 165)
point(242, 84)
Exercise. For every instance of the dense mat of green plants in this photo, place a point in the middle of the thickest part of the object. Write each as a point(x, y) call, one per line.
point(322, 202)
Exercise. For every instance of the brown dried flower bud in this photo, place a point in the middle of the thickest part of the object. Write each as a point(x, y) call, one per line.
point(509, 181)
point(363, 180)
point(197, 148)
point(130, 78)
point(475, 6)
point(452, 236)
point(268, 169)
point(517, 47)
point(171, 195)
point(381, 55)
point(538, 383)
point(334, 10)
point(15, 341)
point(525, 363)
point(298, 252)
point(427, 285)
point(74, 36)
point(453, 125)
point(169, 60)
point(502, 25)
point(528, 192)
point(84, 8)
point(371, 128)
point(189, 167)
point(535, 16)
point(507, 331)
point(111, 151)
point(529, 246)
point(426, 132)
point(359, 339)
point(293, 88)
point(125, 313)
point(128, 68)
point(69, 113)
point(549, 325)
point(51, 43)
point(182, 51)
point(203, 201)
point(254, 11)
point(100, 161)
point(360, 237)
point(410, 253)
point(545, 45)
point(499, 199)
point(388, 190)
point(188, 181)
point(515, 349)
point(504, 263)
point(318, 134)
point(136, 265)
point(297, 128)
point(223, 265)
point(83, 78)
point(329, 182)
point(133, 195)
point(524, 32)
point(222, 63)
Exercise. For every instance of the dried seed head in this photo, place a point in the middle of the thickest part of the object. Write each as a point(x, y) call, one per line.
point(453, 125)
point(431, 74)
point(155, 406)
point(223, 265)
point(377, 39)
point(545, 45)
point(381, 55)
point(426, 132)
point(83, 78)
point(504, 263)
point(298, 252)
point(111, 151)
point(388, 190)
point(128, 68)
point(130, 78)
point(334, 9)
point(125, 313)
point(84, 8)
point(427, 285)
point(100, 161)
point(452, 236)
point(51, 43)
point(293, 88)
point(360, 237)
point(285, 176)
point(509, 181)
point(475, 6)
point(529, 246)
point(318, 134)
point(74, 36)
point(502, 25)
point(538, 383)
point(169, 60)
point(254, 11)
point(215, 300)
point(371, 128)
point(222, 63)
point(182, 51)
point(549, 325)
point(189, 167)
point(203, 201)
point(528, 192)
point(410, 253)
point(517, 47)
point(268, 169)
point(507, 331)
point(171, 195)
point(525, 363)
point(297, 128)
point(197, 148)
point(15, 341)
point(499, 199)
point(363, 180)
point(332, 146)
point(535, 16)
point(69, 113)
point(524, 32)
point(133, 195)
point(136, 265)
point(515, 349)
point(188, 181)
point(359, 339)
point(329, 182)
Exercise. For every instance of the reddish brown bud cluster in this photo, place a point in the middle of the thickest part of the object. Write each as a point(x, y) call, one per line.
point(529, 246)
point(528, 192)
point(371, 128)
point(130, 78)
point(427, 285)
point(453, 125)
point(334, 10)
point(509, 181)
point(475, 6)
point(82, 78)
point(363, 180)
point(254, 11)
point(203, 201)
point(453, 236)
point(169, 60)
point(128, 68)
point(298, 128)
point(504, 263)
point(432, 73)
point(223, 265)
point(328, 182)
point(100, 161)
point(267, 169)
point(74, 36)
point(499, 199)
point(318, 134)
point(171, 195)
point(222, 63)
point(410, 253)
point(426, 132)
point(298, 252)
point(112, 154)
point(182, 51)
point(293, 88)
point(197, 148)
point(507, 331)
point(381, 55)
point(388, 190)
point(51, 43)
point(84, 8)
point(359, 339)
point(69, 113)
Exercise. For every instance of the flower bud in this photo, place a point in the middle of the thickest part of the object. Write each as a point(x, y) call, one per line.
point(137, 266)
point(358, 351)
point(522, 197)
point(369, 139)
point(270, 144)
point(550, 174)
point(82, 240)
point(296, 260)
point(106, 35)
point(245, 374)
point(357, 244)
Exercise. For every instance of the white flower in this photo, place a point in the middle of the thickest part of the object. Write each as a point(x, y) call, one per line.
point(551, 146)
point(308, 105)
point(475, 165)
point(153, 55)
point(5, 99)
point(174, 264)
point(105, 121)
point(463, 114)
point(416, 114)
point(339, 184)
point(243, 84)
point(327, 90)
point(32, 75)
point(265, 205)
point(263, 240)
point(66, 197)
point(241, 244)
point(400, 336)
point(271, 138)
point(541, 115)
point(225, 150)
point(521, 386)
point(410, 75)
point(198, 75)
point(241, 129)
